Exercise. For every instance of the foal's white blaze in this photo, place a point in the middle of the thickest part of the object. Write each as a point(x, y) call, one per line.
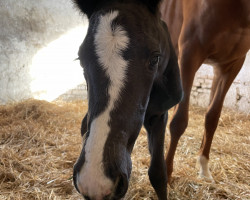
point(109, 43)
point(204, 169)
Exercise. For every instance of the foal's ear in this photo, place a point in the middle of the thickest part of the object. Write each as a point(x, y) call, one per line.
point(153, 5)
point(87, 6)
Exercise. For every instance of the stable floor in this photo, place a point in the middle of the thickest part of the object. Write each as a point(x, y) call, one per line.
point(40, 141)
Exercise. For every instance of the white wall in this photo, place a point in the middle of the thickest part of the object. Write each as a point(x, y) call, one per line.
point(238, 96)
point(38, 42)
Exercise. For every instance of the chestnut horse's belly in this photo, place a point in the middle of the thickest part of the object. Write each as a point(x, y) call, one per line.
point(227, 46)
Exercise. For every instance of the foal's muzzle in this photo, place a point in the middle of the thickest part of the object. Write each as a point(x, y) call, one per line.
point(118, 191)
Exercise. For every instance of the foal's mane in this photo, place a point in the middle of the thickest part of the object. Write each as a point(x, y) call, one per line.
point(90, 6)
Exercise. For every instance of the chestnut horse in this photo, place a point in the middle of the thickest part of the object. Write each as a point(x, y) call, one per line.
point(215, 32)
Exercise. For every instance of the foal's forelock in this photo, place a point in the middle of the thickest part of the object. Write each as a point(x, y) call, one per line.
point(110, 41)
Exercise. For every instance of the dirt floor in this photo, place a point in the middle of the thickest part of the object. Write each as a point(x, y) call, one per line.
point(40, 141)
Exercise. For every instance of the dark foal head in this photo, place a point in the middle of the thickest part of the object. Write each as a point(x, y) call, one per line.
point(127, 58)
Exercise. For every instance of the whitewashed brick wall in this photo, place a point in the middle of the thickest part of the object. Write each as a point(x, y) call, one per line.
point(77, 93)
point(238, 96)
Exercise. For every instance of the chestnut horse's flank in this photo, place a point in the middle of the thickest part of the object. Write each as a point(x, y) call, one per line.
point(216, 32)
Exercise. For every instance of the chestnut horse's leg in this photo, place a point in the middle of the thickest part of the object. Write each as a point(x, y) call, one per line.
point(156, 126)
point(190, 59)
point(224, 76)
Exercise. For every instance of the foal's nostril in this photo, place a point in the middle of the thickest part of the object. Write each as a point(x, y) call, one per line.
point(86, 198)
point(121, 186)
point(108, 197)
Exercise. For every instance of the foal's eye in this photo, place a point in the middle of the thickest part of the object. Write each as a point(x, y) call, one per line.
point(154, 62)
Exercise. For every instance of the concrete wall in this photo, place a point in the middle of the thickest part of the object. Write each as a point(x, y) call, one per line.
point(38, 42)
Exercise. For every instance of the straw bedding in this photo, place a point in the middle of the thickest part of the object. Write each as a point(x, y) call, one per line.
point(40, 141)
